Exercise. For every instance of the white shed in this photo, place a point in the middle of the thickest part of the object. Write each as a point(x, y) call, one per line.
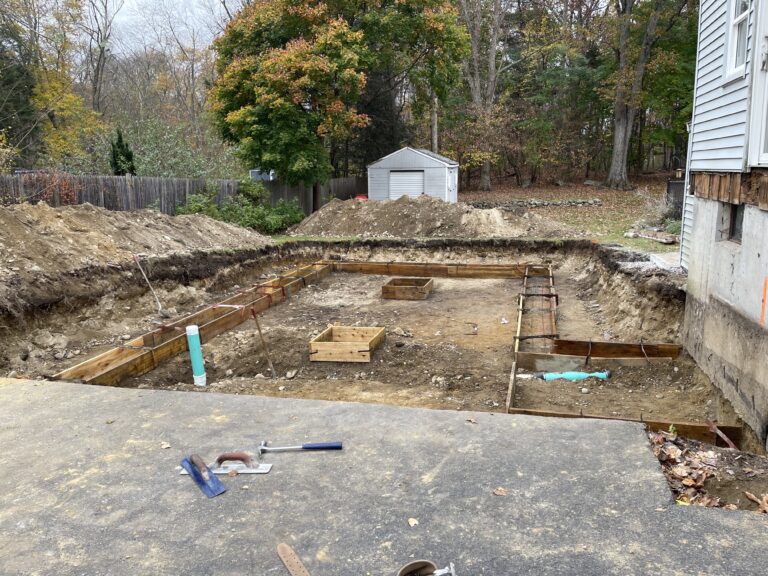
point(413, 172)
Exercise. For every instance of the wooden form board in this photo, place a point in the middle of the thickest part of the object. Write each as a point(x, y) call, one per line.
point(500, 271)
point(146, 352)
point(693, 430)
point(614, 349)
point(545, 362)
point(346, 344)
point(407, 288)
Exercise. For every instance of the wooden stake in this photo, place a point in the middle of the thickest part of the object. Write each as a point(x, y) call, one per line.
point(264, 343)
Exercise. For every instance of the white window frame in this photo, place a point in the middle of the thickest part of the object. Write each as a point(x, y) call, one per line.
point(732, 70)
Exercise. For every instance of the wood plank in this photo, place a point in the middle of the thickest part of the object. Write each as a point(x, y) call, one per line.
point(500, 271)
point(338, 352)
point(117, 364)
point(545, 362)
point(614, 349)
point(516, 350)
point(98, 363)
point(693, 430)
point(762, 192)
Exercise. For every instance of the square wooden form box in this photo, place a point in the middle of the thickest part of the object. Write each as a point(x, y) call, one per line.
point(407, 288)
point(345, 344)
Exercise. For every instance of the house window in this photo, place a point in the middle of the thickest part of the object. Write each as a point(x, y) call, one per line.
point(737, 53)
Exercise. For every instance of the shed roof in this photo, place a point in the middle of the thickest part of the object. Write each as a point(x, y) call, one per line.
point(437, 156)
point(420, 151)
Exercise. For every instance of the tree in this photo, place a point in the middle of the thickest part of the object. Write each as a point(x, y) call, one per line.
point(19, 118)
point(304, 86)
point(121, 156)
point(284, 104)
point(98, 27)
point(486, 23)
point(638, 31)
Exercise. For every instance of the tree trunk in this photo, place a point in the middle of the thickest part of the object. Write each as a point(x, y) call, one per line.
point(617, 174)
point(485, 177)
point(434, 126)
point(315, 197)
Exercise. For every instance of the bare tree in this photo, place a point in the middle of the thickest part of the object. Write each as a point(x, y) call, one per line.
point(98, 26)
point(630, 74)
point(485, 21)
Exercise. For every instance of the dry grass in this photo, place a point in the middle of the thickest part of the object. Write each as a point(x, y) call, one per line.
point(620, 210)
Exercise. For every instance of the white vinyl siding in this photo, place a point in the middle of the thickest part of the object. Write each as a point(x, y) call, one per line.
point(406, 184)
point(721, 98)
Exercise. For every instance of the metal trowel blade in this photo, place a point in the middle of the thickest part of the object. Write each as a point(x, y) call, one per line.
point(235, 468)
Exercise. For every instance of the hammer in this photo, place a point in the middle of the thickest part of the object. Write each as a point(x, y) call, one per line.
point(310, 446)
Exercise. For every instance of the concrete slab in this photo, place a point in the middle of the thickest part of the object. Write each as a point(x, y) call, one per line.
point(668, 261)
point(88, 488)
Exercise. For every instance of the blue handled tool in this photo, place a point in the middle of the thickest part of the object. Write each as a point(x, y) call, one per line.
point(202, 475)
point(310, 446)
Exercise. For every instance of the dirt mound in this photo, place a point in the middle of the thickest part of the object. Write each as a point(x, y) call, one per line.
point(424, 217)
point(39, 245)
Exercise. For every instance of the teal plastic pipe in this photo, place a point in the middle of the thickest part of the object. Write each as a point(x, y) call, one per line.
point(574, 376)
point(196, 355)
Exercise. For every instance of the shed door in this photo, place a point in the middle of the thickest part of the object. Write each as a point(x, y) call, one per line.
point(409, 183)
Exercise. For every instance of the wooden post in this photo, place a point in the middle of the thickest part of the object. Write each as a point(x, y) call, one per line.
point(263, 343)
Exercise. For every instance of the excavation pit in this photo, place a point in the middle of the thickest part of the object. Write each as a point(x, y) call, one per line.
point(451, 351)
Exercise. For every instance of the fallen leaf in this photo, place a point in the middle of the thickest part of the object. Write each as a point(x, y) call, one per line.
point(679, 471)
point(500, 491)
point(412, 522)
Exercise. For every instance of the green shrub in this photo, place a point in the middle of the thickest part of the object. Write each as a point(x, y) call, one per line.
point(673, 226)
point(249, 209)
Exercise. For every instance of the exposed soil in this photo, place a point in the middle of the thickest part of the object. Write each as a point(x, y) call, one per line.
point(704, 475)
point(426, 217)
point(431, 357)
point(47, 254)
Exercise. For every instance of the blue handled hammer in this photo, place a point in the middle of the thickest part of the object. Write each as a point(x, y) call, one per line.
point(310, 446)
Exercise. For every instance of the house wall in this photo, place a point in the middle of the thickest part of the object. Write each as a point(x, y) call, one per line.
point(725, 317)
point(720, 114)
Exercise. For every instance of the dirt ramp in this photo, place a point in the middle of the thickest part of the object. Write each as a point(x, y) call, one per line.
point(424, 217)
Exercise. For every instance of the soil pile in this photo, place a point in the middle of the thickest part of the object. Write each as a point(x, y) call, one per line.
point(40, 245)
point(424, 217)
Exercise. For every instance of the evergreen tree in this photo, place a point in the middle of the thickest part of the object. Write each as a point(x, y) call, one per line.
point(121, 156)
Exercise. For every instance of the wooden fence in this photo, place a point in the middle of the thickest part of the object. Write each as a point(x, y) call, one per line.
point(164, 194)
point(342, 188)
